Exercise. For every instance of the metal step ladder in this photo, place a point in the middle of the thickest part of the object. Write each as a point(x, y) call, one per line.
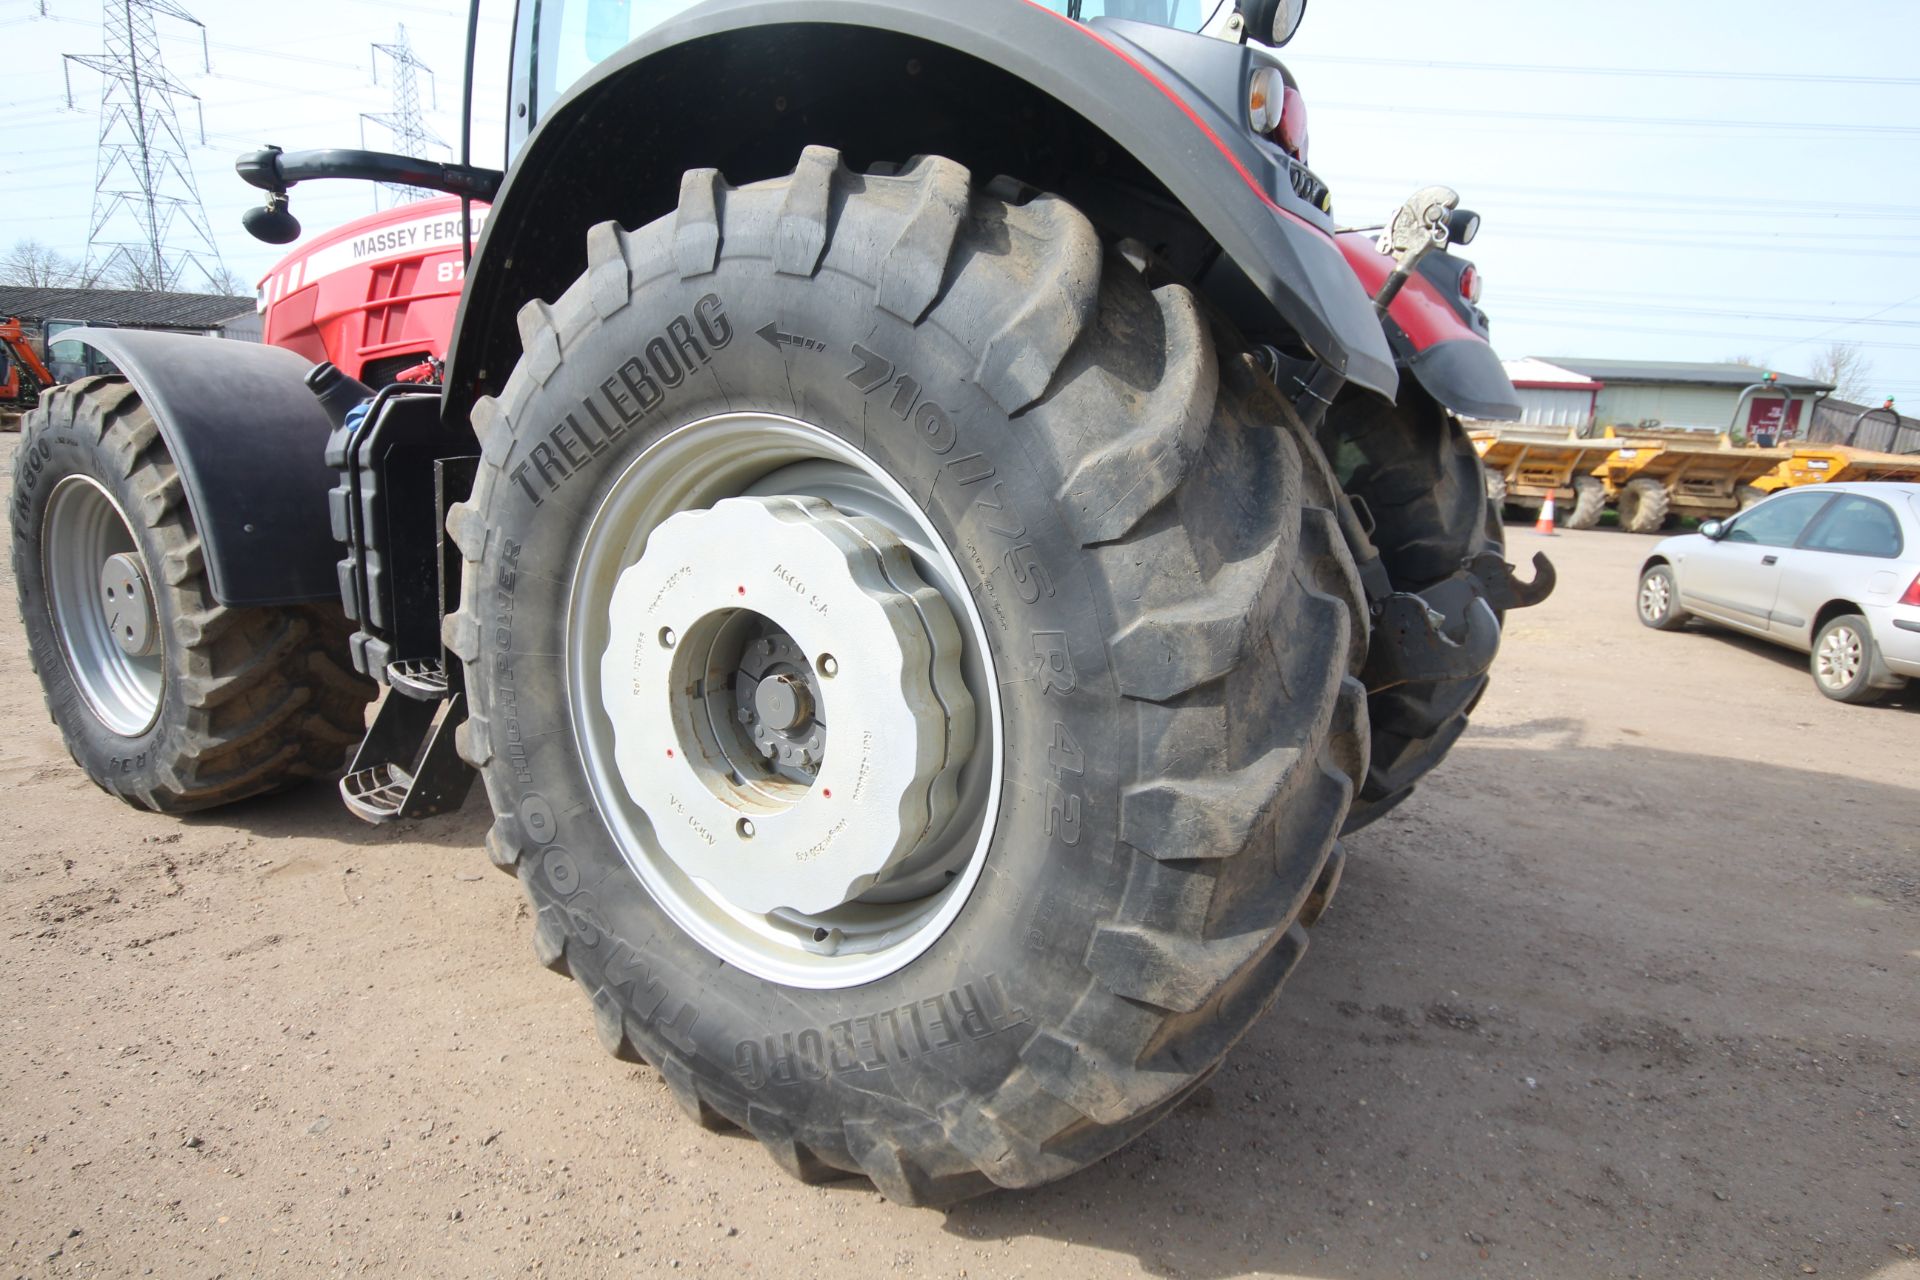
point(406, 766)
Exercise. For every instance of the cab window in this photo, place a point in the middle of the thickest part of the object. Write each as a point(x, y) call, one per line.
point(1777, 522)
point(1163, 13)
point(571, 36)
point(1856, 526)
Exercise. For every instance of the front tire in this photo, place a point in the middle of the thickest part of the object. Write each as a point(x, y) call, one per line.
point(1589, 500)
point(166, 698)
point(1643, 505)
point(1170, 627)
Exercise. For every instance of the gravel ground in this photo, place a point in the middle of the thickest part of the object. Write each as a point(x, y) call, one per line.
point(1631, 988)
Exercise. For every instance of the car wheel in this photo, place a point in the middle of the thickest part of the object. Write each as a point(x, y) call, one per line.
point(1658, 602)
point(1842, 660)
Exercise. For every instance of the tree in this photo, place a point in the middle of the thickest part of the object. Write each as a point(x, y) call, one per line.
point(1748, 361)
point(1843, 364)
point(34, 264)
point(222, 280)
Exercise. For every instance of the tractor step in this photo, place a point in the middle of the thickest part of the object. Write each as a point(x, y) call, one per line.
point(407, 766)
point(424, 679)
point(377, 794)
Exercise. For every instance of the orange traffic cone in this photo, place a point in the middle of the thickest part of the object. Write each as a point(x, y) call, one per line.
point(1545, 524)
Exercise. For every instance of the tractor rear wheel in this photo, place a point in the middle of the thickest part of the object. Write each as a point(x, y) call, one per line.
point(167, 698)
point(1416, 469)
point(912, 666)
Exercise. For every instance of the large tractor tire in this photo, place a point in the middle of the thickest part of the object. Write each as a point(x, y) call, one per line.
point(1589, 500)
point(1419, 475)
point(165, 697)
point(912, 666)
point(1643, 505)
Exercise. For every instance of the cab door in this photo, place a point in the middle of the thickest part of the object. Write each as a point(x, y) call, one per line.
point(1736, 577)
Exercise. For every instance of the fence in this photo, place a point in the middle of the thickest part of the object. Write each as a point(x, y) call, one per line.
point(1834, 420)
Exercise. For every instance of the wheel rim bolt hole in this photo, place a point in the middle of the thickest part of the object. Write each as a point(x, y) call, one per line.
point(668, 638)
point(827, 666)
point(744, 828)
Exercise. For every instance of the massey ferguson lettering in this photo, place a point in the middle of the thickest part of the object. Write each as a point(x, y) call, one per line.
point(416, 235)
point(635, 389)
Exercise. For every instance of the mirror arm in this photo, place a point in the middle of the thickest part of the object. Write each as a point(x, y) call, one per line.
point(275, 171)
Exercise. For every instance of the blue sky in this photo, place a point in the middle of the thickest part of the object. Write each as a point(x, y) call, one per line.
point(1763, 201)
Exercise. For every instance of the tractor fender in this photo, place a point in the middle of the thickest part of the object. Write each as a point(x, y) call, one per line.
point(1446, 352)
point(249, 441)
point(1001, 86)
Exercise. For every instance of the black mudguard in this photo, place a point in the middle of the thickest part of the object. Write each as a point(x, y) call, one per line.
point(743, 85)
point(249, 441)
point(1466, 376)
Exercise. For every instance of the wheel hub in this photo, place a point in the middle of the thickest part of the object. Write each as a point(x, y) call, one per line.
point(742, 633)
point(129, 605)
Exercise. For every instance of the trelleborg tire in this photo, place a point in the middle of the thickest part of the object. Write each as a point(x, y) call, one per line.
point(1419, 475)
point(1162, 649)
point(219, 703)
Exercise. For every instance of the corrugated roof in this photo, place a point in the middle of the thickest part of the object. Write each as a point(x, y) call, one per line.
point(1715, 374)
point(133, 308)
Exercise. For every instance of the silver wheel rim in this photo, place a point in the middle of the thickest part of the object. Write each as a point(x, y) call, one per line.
point(1655, 595)
point(84, 528)
point(1837, 664)
point(766, 455)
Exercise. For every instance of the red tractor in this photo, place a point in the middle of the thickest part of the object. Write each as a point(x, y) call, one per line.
point(925, 532)
point(376, 297)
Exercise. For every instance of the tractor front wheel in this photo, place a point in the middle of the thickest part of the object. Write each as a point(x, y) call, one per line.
point(912, 666)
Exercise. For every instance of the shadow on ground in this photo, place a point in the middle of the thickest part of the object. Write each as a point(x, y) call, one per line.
point(315, 809)
point(1907, 699)
point(1639, 1026)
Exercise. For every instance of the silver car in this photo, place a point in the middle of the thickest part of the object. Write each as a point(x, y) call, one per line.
point(1832, 570)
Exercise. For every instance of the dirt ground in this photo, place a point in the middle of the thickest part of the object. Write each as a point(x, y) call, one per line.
point(1631, 988)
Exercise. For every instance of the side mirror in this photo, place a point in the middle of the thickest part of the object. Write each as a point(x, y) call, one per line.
point(1713, 530)
point(1273, 21)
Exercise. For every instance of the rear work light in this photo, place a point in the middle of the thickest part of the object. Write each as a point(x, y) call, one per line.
point(1913, 592)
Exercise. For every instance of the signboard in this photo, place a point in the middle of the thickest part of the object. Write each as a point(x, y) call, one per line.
point(1772, 420)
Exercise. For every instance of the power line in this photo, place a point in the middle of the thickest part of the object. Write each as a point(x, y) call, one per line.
point(1882, 311)
point(1579, 117)
point(1561, 234)
point(1722, 206)
point(1574, 304)
point(1516, 316)
point(1663, 73)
